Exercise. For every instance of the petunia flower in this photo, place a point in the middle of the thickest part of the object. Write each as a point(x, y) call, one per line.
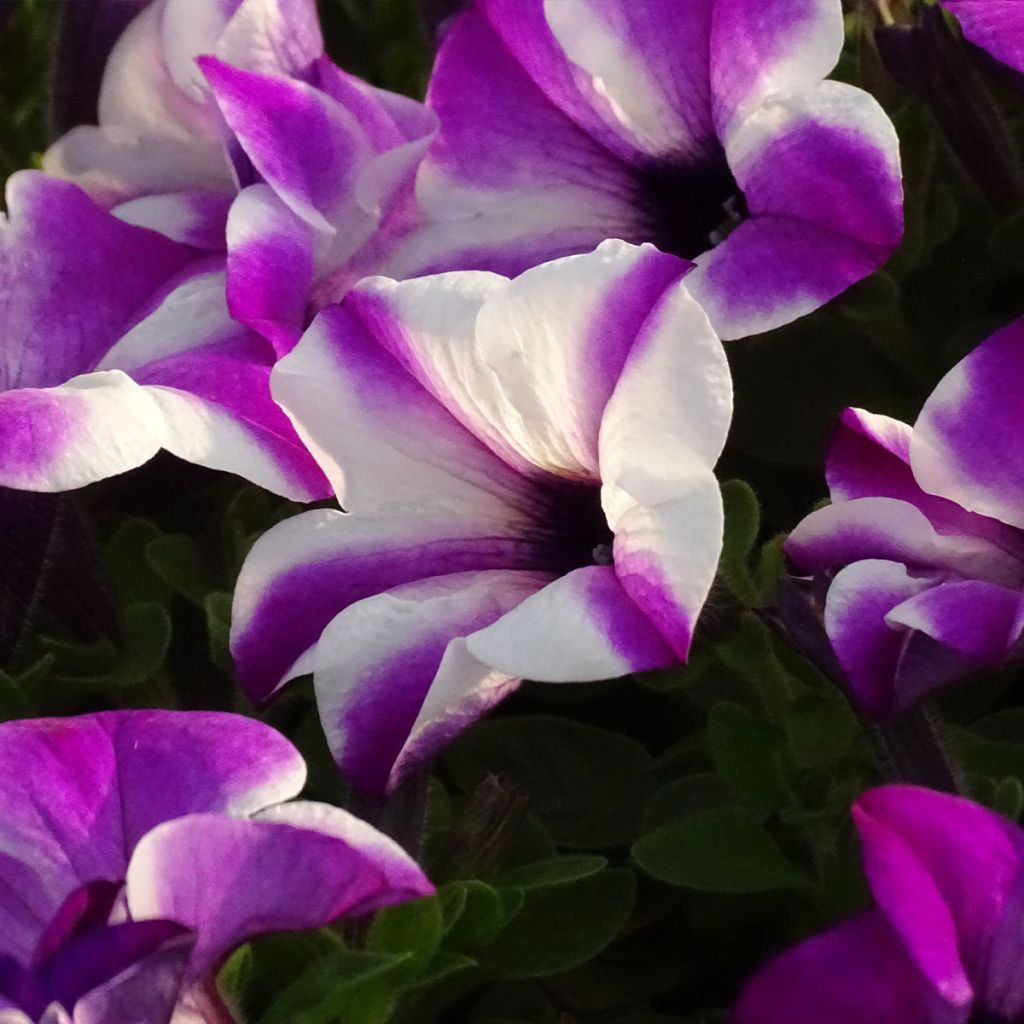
point(703, 126)
point(223, 124)
point(528, 465)
point(997, 26)
point(924, 539)
point(942, 944)
point(116, 342)
point(138, 849)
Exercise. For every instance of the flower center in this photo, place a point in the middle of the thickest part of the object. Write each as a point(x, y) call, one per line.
point(690, 208)
point(580, 534)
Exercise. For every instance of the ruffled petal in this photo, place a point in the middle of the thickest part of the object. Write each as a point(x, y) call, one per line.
point(663, 430)
point(527, 365)
point(230, 880)
point(966, 440)
point(196, 219)
point(820, 173)
point(305, 571)
point(376, 662)
point(386, 444)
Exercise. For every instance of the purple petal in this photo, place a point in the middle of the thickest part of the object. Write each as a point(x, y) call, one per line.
point(868, 648)
point(59, 439)
point(869, 456)
point(581, 627)
point(78, 793)
point(897, 531)
point(857, 973)
point(147, 992)
point(545, 349)
point(305, 571)
point(662, 432)
point(770, 47)
point(270, 266)
point(98, 957)
point(57, 323)
point(974, 859)
point(196, 219)
point(377, 660)
point(649, 64)
point(384, 442)
point(210, 378)
point(981, 621)
point(231, 880)
point(273, 36)
point(997, 26)
point(965, 440)
point(820, 173)
point(305, 145)
point(511, 178)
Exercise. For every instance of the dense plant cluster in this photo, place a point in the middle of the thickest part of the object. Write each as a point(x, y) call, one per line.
point(511, 511)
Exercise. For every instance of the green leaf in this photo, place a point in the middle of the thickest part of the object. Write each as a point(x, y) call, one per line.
point(588, 786)
point(146, 629)
point(218, 629)
point(556, 871)
point(130, 576)
point(700, 791)
point(717, 851)
point(560, 927)
point(343, 986)
point(745, 752)
point(414, 927)
point(176, 559)
point(1008, 799)
point(819, 730)
point(742, 523)
point(473, 914)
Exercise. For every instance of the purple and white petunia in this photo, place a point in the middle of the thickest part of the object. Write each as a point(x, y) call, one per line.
point(924, 539)
point(997, 26)
point(943, 942)
point(224, 125)
point(703, 126)
point(116, 342)
point(528, 465)
point(138, 849)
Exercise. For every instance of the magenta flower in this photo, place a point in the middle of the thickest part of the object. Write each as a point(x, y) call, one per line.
point(224, 125)
point(116, 342)
point(529, 469)
point(140, 848)
point(703, 126)
point(997, 26)
point(925, 535)
point(943, 942)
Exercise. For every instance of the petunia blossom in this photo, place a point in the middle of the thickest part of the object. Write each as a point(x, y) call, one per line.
point(942, 944)
point(997, 26)
point(924, 539)
point(528, 467)
point(116, 342)
point(704, 126)
point(140, 848)
point(223, 124)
